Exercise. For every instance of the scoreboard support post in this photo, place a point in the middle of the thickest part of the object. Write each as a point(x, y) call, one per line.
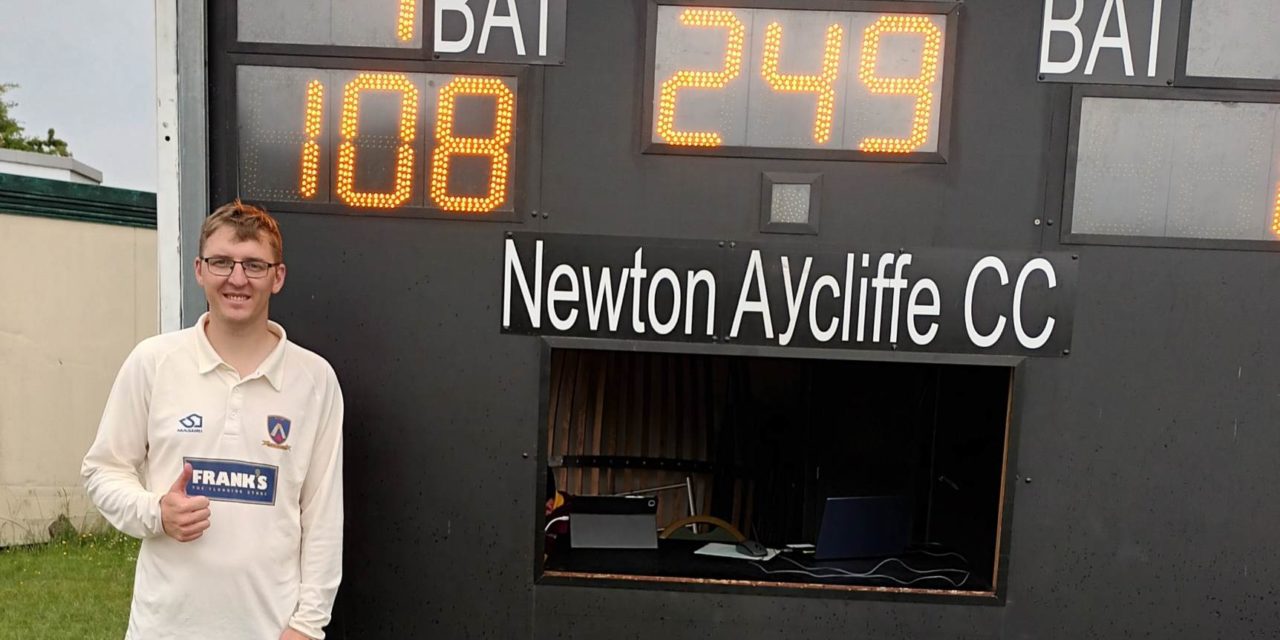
point(182, 188)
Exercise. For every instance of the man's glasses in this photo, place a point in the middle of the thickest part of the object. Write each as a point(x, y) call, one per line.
point(220, 266)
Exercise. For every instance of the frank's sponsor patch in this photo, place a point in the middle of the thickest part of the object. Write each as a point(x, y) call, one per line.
point(232, 481)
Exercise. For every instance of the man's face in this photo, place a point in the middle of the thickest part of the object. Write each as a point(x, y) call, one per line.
point(238, 300)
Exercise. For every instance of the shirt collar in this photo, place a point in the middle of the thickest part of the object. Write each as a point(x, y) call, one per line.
point(272, 367)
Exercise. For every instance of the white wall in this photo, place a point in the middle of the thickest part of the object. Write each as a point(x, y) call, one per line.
point(75, 297)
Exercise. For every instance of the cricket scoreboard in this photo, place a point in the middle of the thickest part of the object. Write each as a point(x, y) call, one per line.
point(403, 108)
point(345, 107)
point(522, 224)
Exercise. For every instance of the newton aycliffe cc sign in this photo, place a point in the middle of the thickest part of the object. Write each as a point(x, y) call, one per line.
point(788, 295)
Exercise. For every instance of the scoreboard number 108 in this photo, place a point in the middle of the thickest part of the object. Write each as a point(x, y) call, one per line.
point(364, 145)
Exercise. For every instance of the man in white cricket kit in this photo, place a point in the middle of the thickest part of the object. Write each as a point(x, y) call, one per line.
point(221, 447)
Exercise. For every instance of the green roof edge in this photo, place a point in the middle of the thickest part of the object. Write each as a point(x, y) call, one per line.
point(73, 201)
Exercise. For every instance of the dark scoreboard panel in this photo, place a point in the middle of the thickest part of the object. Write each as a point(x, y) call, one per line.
point(347, 115)
point(357, 23)
point(920, 129)
point(371, 131)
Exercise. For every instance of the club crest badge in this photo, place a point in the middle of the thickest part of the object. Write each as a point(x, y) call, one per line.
point(278, 430)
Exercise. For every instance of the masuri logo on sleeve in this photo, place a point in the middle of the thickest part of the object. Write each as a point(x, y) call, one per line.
point(193, 423)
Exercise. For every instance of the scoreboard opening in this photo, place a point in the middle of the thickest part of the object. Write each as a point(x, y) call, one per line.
point(737, 449)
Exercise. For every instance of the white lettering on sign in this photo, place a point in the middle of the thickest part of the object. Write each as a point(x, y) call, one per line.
point(794, 298)
point(754, 276)
point(604, 299)
point(704, 277)
point(556, 294)
point(488, 22)
point(1101, 39)
point(977, 338)
point(1069, 26)
point(1153, 54)
point(532, 302)
point(993, 263)
point(564, 294)
point(1112, 32)
point(1032, 342)
point(931, 310)
point(817, 307)
point(510, 21)
point(823, 282)
point(463, 43)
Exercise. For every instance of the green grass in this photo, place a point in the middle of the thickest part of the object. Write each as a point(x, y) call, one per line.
point(78, 586)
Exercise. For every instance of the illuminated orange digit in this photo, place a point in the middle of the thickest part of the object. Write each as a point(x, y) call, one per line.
point(822, 84)
point(497, 147)
point(919, 86)
point(1275, 217)
point(396, 82)
point(405, 20)
point(666, 117)
point(311, 148)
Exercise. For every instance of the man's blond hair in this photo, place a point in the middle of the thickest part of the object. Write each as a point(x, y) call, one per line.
point(248, 222)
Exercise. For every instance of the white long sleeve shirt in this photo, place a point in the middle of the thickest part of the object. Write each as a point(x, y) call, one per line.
point(267, 452)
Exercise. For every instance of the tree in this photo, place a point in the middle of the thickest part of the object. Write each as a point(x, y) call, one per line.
point(12, 135)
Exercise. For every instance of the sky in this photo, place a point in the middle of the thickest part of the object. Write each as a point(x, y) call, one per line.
point(87, 69)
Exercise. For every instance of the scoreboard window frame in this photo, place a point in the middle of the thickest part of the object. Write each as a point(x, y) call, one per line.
point(949, 9)
point(1011, 428)
point(224, 18)
point(1078, 94)
point(226, 55)
point(1180, 77)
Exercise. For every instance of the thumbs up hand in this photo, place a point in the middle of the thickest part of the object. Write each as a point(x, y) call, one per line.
point(184, 517)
